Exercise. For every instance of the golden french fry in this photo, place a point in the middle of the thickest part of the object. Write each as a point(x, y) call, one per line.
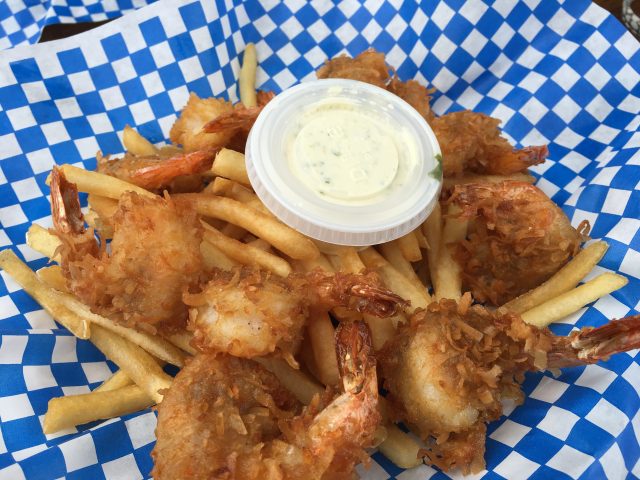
point(260, 244)
point(450, 182)
point(302, 387)
point(394, 280)
point(392, 252)
point(53, 277)
point(43, 241)
point(103, 206)
point(573, 300)
point(432, 229)
point(282, 237)
point(133, 360)
point(182, 340)
point(69, 411)
point(99, 183)
point(382, 329)
point(409, 247)
point(422, 240)
point(350, 261)
point(562, 281)
point(229, 188)
point(213, 257)
point(400, 448)
point(321, 262)
point(447, 281)
point(247, 77)
point(114, 382)
point(230, 164)
point(321, 336)
point(246, 254)
point(136, 144)
point(46, 296)
point(155, 345)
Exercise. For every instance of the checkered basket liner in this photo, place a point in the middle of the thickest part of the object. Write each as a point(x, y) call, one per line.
point(567, 74)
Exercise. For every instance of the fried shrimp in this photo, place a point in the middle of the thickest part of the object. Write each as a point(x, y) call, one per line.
point(154, 256)
point(250, 313)
point(155, 172)
point(518, 238)
point(226, 417)
point(472, 142)
point(448, 369)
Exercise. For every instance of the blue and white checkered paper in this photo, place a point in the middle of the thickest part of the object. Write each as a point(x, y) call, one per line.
point(567, 74)
point(22, 21)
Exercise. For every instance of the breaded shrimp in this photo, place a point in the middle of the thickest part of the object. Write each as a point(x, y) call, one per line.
point(155, 172)
point(472, 142)
point(154, 256)
point(226, 417)
point(518, 238)
point(250, 313)
point(450, 367)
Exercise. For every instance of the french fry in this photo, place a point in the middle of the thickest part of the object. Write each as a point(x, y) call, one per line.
point(321, 262)
point(282, 237)
point(247, 76)
point(350, 261)
point(573, 300)
point(409, 247)
point(432, 229)
point(69, 411)
point(260, 244)
point(392, 252)
point(136, 144)
point(103, 206)
point(422, 240)
point(46, 296)
point(394, 280)
point(133, 360)
point(182, 340)
point(450, 182)
point(99, 183)
point(213, 257)
point(562, 281)
point(230, 164)
point(246, 254)
point(231, 189)
point(302, 387)
point(155, 345)
point(114, 382)
point(447, 281)
point(400, 448)
point(53, 277)
point(382, 329)
point(44, 242)
point(321, 336)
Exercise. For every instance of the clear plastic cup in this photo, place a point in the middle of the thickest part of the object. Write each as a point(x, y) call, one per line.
point(332, 220)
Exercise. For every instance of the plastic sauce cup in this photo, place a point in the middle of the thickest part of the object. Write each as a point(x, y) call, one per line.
point(324, 218)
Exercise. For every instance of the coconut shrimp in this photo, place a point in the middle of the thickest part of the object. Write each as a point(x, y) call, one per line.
point(518, 238)
point(154, 256)
point(448, 369)
point(250, 313)
point(154, 172)
point(472, 142)
point(226, 417)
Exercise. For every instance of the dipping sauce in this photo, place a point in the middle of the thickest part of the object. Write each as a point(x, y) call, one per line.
point(344, 162)
point(347, 154)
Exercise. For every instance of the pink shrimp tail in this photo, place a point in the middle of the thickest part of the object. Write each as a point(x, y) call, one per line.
point(161, 173)
point(517, 160)
point(65, 204)
point(591, 345)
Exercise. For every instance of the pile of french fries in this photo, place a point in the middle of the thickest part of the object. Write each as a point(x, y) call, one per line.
point(239, 230)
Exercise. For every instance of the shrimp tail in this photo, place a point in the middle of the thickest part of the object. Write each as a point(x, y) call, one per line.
point(591, 345)
point(240, 117)
point(355, 355)
point(65, 205)
point(361, 293)
point(161, 173)
point(517, 160)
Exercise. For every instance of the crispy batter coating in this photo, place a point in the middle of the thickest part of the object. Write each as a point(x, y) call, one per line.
point(250, 313)
point(154, 256)
point(518, 238)
point(369, 67)
point(472, 142)
point(415, 94)
point(187, 130)
point(228, 418)
point(450, 367)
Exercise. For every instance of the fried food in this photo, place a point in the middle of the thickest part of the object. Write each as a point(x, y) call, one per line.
point(450, 367)
point(517, 239)
point(154, 256)
point(249, 313)
point(226, 417)
point(472, 142)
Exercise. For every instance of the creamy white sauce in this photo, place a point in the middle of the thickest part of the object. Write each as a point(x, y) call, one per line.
point(348, 153)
